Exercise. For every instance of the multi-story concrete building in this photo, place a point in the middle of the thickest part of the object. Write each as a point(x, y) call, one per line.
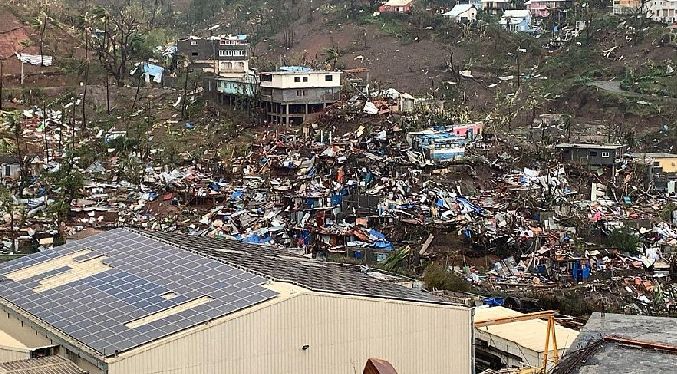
point(663, 11)
point(396, 6)
point(496, 6)
point(544, 8)
point(625, 6)
point(225, 60)
point(292, 93)
point(134, 302)
point(226, 56)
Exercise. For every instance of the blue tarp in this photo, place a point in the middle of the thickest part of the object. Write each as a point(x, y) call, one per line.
point(336, 199)
point(494, 301)
point(154, 71)
point(257, 239)
point(214, 186)
point(296, 69)
point(580, 273)
point(376, 234)
point(383, 244)
point(467, 204)
point(237, 194)
point(305, 235)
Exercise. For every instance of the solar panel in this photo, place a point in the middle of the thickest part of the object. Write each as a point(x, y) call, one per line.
point(96, 309)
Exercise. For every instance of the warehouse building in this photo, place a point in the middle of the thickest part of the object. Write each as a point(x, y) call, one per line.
point(128, 301)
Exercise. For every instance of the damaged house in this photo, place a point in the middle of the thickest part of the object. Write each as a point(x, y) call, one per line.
point(293, 93)
point(595, 156)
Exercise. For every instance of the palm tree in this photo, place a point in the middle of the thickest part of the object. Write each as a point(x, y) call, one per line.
point(331, 56)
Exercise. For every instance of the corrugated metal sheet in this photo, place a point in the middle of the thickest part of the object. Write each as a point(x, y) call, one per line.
point(43, 365)
point(315, 333)
point(527, 334)
point(13, 354)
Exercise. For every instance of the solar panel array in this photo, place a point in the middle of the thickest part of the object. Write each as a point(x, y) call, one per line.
point(96, 309)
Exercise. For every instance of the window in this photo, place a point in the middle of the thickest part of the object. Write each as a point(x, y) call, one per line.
point(266, 77)
point(297, 79)
point(305, 79)
point(328, 78)
point(300, 93)
point(228, 53)
point(194, 54)
point(606, 154)
point(593, 153)
point(193, 42)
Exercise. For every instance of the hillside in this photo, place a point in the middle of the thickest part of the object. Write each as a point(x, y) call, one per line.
point(611, 75)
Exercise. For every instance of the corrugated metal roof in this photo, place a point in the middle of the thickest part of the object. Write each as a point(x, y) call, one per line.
point(43, 365)
point(528, 334)
point(589, 146)
point(285, 267)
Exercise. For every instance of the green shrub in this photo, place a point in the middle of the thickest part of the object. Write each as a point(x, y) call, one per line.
point(624, 239)
point(435, 276)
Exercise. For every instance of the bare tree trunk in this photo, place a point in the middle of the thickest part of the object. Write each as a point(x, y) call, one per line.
point(18, 132)
point(73, 124)
point(11, 230)
point(84, 98)
point(44, 130)
point(42, 40)
point(185, 98)
point(136, 95)
point(63, 119)
point(107, 94)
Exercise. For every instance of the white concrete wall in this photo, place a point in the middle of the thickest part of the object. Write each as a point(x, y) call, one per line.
point(31, 339)
point(14, 170)
point(341, 333)
point(21, 332)
point(314, 79)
